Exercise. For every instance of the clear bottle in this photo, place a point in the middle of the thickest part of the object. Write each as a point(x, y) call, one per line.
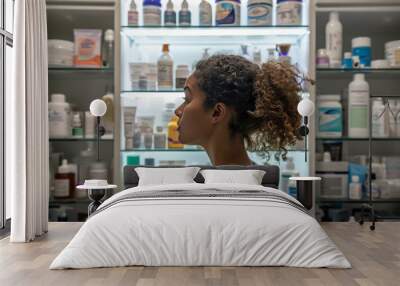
point(108, 51)
point(160, 138)
point(358, 123)
point(257, 56)
point(333, 38)
point(185, 16)
point(59, 117)
point(380, 119)
point(245, 52)
point(286, 174)
point(87, 156)
point(165, 70)
point(271, 54)
point(167, 114)
point(170, 15)
point(205, 13)
point(133, 14)
point(355, 189)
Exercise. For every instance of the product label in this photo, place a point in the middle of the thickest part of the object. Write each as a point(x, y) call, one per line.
point(358, 116)
point(259, 14)
point(180, 82)
point(133, 18)
point(61, 187)
point(330, 119)
point(165, 75)
point(170, 18)
point(228, 14)
point(151, 16)
point(334, 46)
point(184, 18)
point(289, 13)
point(364, 54)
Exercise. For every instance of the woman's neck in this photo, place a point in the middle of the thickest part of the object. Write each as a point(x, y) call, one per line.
point(226, 150)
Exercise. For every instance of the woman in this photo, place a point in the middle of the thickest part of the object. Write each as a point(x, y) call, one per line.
point(232, 104)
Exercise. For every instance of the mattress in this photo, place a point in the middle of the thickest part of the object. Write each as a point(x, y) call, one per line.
point(201, 225)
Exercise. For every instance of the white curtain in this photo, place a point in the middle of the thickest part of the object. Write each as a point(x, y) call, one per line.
point(27, 124)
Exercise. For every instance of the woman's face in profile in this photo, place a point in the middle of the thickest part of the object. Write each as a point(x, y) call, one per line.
point(194, 120)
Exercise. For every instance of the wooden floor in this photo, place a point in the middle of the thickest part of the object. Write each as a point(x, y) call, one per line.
point(375, 257)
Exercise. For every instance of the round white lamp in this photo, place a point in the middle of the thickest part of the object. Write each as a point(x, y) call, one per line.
point(98, 108)
point(306, 108)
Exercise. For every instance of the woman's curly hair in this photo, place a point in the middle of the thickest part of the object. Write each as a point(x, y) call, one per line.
point(264, 100)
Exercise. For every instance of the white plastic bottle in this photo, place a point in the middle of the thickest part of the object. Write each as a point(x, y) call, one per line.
point(165, 70)
point(358, 107)
point(185, 16)
point(133, 15)
point(59, 117)
point(108, 50)
point(152, 12)
point(380, 119)
point(170, 15)
point(333, 38)
point(355, 190)
point(205, 13)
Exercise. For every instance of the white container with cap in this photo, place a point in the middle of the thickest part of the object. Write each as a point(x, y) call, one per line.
point(392, 53)
point(330, 116)
point(333, 38)
point(380, 64)
point(60, 53)
point(358, 107)
point(59, 117)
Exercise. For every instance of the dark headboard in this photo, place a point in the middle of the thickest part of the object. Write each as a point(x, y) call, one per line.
point(270, 179)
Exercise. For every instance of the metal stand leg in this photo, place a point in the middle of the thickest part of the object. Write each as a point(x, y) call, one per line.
point(95, 196)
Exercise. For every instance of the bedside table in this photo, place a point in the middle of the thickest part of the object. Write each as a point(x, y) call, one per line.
point(96, 192)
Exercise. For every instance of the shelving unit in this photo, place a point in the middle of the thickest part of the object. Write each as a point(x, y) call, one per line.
point(186, 47)
point(379, 21)
point(81, 85)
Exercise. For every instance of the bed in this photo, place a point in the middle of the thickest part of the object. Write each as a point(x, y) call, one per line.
point(198, 224)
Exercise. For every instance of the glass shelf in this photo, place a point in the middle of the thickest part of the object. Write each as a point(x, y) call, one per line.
point(75, 139)
point(360, 70)
point(356, 139)
point(80, 69)
point(153, 91)
point(187, 150)
point(331, 201)
point(197, 34)
point(69, 201)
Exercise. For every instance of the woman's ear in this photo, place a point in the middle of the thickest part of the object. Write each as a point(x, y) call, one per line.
point(219, 112)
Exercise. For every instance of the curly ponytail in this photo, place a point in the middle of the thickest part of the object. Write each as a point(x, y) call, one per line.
point(276, 88)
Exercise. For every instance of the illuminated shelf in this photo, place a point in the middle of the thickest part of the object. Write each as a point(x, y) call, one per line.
point(180, 91)
point(360, 70)
point(187, 150)
point(215, 35)
point(357, 139)
point(74, 139)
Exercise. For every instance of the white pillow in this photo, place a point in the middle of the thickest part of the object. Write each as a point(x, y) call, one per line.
point(249, 177)
point(166, 176)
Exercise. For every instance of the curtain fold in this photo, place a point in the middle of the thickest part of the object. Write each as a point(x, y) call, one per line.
point(27, 137)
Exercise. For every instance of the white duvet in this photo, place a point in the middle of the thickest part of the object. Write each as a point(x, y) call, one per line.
point(200, 231)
